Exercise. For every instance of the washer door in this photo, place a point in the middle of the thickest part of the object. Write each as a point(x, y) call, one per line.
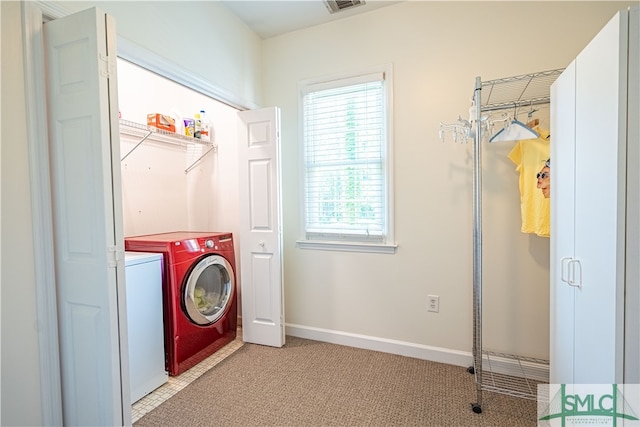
point(208, 290)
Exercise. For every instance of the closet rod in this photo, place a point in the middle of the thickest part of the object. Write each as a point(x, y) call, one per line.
point(516, 104)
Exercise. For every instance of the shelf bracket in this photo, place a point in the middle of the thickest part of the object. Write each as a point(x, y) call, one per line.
point(137, 145)
point(198, 159)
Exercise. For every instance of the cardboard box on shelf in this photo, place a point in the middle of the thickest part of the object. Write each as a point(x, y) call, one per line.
point(161, 121)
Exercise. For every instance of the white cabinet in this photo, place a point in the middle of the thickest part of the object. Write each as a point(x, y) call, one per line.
point(145, 326)
point(589, 128)
point(562, 307)
point(632, 303)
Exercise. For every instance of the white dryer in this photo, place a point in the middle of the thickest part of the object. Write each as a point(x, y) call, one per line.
point(145, 326)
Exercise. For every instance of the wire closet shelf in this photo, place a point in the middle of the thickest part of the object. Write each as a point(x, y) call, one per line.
point(144, 132)
point(503, 373)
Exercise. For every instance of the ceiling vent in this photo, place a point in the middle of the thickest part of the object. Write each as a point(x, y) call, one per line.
point(337, 5)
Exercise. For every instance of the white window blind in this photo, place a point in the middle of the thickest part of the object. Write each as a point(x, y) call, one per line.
point(344, 131)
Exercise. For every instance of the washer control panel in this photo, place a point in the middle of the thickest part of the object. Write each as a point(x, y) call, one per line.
point(223, 242)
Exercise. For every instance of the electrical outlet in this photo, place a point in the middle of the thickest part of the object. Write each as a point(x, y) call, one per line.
point(433, 303)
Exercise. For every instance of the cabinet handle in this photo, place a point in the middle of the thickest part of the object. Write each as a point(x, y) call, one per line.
point(564, 268)
point(572, 280)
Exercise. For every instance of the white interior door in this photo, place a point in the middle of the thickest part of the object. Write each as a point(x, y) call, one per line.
point(261, 293)
point(89, 246)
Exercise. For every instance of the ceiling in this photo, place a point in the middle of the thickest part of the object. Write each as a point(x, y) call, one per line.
point(269, 18)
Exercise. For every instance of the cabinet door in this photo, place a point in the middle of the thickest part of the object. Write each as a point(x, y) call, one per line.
point(588, 181)
point(561, 298)
point(599, 204)
point(632, 308)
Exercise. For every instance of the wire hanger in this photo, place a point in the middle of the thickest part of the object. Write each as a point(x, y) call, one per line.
point(531, 122)
point(514, 130)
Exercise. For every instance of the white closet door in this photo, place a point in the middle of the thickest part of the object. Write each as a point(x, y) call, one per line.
point(82, 114)
point(561, 299)
point(599, 204)
point(261, 227)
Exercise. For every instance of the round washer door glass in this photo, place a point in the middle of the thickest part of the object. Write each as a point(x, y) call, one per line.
point(208, 290)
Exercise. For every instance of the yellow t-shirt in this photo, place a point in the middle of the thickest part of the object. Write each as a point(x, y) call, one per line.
point(529, 156)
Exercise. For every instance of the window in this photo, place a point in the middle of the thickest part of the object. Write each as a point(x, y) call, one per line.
point(346, 163)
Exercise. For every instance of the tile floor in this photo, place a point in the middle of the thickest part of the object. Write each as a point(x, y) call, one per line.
point(175, 384)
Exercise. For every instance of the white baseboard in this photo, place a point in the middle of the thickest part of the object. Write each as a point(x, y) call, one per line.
point(402, 348)
point(537, 371)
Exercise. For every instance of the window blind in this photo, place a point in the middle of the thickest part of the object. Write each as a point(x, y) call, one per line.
point(344, 135)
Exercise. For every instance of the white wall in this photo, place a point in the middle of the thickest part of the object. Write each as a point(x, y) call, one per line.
point(203, 37)
point(437, 49)
point(20, 370)
point(157, 194)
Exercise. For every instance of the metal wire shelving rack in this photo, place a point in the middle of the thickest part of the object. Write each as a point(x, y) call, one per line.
point(151, 133)
point(509, 374)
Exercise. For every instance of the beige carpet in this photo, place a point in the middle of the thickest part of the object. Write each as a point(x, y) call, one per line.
point(310, 383)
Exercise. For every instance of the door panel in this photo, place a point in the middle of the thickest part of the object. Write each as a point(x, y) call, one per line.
point(260, 227)
point(562, 310)
point(599, 202)
point(88, 244)
point(632, 308)
point(588, 211)
point(259, 185)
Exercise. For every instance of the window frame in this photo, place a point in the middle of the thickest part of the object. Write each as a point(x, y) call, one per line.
point(387, 245)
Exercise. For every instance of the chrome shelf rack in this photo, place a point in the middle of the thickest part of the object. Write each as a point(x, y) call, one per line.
point(499, 372)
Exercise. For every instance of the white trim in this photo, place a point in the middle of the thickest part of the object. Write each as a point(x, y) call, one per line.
point(324, 84)
point(418, 351)
point(367, 342)
point(41, 216)
point(390, 238)
point(380, 71)
point(386, 70)
point(52, 10)
point(380, 248)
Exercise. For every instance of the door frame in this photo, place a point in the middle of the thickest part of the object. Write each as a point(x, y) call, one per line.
point(33, 15)
point(41, 214)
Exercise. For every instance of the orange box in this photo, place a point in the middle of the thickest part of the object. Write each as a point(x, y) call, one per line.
point(161, 121)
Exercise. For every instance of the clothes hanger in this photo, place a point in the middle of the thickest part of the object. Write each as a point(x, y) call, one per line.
point(531, 121)
point(514, 130)
point(464, 130)
point(534, 123)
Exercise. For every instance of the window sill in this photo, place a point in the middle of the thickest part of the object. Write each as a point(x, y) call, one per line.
point(378, 248)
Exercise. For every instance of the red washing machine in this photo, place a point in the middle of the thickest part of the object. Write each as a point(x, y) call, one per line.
point(199, 293)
